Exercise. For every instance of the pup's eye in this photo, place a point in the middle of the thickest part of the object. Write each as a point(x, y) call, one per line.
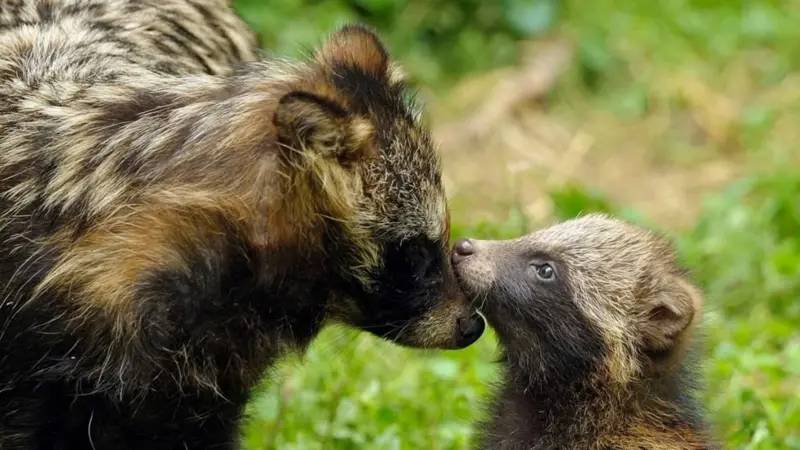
point(545, 272)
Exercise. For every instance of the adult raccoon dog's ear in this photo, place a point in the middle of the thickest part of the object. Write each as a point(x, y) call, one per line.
point(668, 311)
point(355, 47)
point(311, 125)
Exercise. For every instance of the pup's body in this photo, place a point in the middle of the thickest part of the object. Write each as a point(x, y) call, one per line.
point(175, 215)
point(596, 321)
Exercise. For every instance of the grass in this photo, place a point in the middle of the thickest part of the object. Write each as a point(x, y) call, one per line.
point(353, 391)
point(745, 251)
point(709, 80)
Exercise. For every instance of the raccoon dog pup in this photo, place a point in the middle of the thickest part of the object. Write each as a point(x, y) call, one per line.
point(596, 321)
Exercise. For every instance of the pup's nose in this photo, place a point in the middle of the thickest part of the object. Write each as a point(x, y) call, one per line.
point(463, 248)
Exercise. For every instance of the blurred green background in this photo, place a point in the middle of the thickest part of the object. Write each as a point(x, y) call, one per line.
point(682, 115)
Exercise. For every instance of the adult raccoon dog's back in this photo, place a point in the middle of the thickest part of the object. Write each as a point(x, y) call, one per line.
point(176, 215)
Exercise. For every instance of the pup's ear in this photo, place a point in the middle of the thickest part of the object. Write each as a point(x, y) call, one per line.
point(310, 124)
point(355, 47)
point(667, 315)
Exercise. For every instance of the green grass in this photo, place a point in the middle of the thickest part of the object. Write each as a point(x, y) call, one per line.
point(353, 391)
point(745, 251)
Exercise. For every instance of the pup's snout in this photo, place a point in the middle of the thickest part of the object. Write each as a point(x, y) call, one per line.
point(474, 264)
point(462, 250)
point(470, 329)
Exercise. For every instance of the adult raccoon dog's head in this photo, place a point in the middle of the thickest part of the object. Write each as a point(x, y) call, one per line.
point(351, 123)
point(591, 296)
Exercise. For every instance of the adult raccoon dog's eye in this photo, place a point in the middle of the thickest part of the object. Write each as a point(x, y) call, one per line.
point(417, 259)
point(544, 271)
point(426, 265)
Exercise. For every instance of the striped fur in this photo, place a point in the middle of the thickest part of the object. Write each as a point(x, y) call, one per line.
point(177, 213)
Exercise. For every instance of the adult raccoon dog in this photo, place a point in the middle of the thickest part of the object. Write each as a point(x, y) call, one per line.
point(596, 321)
point(176, 215)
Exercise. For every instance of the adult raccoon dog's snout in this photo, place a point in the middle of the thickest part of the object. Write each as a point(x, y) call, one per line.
point(418, 301)
point(470, 329)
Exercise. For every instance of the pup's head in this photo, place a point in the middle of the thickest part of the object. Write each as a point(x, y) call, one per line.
point(377, 179)
point(591, 295)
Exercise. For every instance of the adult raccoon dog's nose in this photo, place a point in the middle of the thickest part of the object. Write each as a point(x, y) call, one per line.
point(462, 249)
point(470, 329)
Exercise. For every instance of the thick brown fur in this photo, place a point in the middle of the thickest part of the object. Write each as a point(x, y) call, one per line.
point(177, 213)
point(597, 321)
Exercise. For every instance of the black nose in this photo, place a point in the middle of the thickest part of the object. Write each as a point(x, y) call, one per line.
point(470, 329)
point(463, 248)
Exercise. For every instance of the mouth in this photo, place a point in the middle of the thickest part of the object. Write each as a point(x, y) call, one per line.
point(462, 332)
point(476, 295)
point(453, 323)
